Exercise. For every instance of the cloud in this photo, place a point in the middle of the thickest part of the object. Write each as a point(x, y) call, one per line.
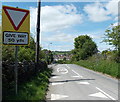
point(114, 25)
point(62, 47)
point(55, 18)
point(112, 7)
point(55, 21)
point(59, 37)
point(93, 36)
point(33, 19)
point(59, 46)
point(105, 46)
point(98, 12)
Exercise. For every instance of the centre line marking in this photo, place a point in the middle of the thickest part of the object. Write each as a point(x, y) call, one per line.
point(77, 73)
point(105, 93)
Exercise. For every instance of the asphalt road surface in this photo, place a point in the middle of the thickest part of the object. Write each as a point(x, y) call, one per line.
point(72, 82)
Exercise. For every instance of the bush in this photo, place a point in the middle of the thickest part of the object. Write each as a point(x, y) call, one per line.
point(25, 73)
point(26, 54)
point(101, 65)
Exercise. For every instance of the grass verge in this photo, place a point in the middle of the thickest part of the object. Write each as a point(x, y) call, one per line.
point(104, 66)
point(34, 90)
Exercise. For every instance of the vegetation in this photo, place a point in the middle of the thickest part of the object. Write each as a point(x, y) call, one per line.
point(28, 73)
point(113, 38)
point(25, 53)
point(33, 90)
point(84, 48)
point(98, 63)
point(61, 52)
point(85, 53)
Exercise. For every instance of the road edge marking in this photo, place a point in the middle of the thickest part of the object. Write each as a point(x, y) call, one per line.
point(105, 93)
point(77, 74)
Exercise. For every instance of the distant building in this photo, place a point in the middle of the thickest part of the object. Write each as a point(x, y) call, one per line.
point(61, 57)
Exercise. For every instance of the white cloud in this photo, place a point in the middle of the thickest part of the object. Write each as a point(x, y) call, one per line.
point(116, 18)
point(62, 47)
point(59, 17)
point(105, 46)
point(114, 24)
point(60, 37)
point(58, 47)
point(112, 7)
point(33, 19)
point(93, 36)
point(55, 18)
point(98, 12)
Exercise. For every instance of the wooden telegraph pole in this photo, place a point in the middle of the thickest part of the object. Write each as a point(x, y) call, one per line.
point(38, 33)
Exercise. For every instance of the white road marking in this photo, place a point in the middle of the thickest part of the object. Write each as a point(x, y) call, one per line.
point(68, 66)
point(77, 73)
point(62, 70)
point(57, 96)
point(105, 93)
point(86, 83)
point(74, 72)
point(57, 84)
point(55, 77)
point(99, 94)
point(75, 76)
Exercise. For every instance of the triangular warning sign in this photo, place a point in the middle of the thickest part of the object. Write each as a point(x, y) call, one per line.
point(16, 16)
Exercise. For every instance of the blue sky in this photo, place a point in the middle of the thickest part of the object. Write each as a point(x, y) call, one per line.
point(61, 22)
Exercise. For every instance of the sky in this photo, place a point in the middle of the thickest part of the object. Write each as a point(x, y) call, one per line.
point(61, 22)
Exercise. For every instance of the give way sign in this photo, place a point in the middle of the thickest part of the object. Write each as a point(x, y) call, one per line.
point(16, 24)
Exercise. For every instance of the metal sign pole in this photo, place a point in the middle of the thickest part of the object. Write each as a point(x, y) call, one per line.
point(16, 70)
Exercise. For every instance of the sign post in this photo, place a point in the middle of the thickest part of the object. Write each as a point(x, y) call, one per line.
point(16, 69)
point(15, 31)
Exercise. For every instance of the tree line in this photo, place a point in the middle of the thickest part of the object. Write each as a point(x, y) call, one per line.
point(84, 46)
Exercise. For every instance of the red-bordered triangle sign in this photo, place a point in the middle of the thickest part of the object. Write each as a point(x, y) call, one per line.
point(16, 16)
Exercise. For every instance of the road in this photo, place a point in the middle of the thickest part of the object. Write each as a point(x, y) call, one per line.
point(72, 82)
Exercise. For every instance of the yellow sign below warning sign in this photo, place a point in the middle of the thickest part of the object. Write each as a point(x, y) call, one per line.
point(15, 26)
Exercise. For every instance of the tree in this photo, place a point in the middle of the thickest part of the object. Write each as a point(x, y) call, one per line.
point(113, 38)
point(84, 47)
point(26, 54)
point(8, 53)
